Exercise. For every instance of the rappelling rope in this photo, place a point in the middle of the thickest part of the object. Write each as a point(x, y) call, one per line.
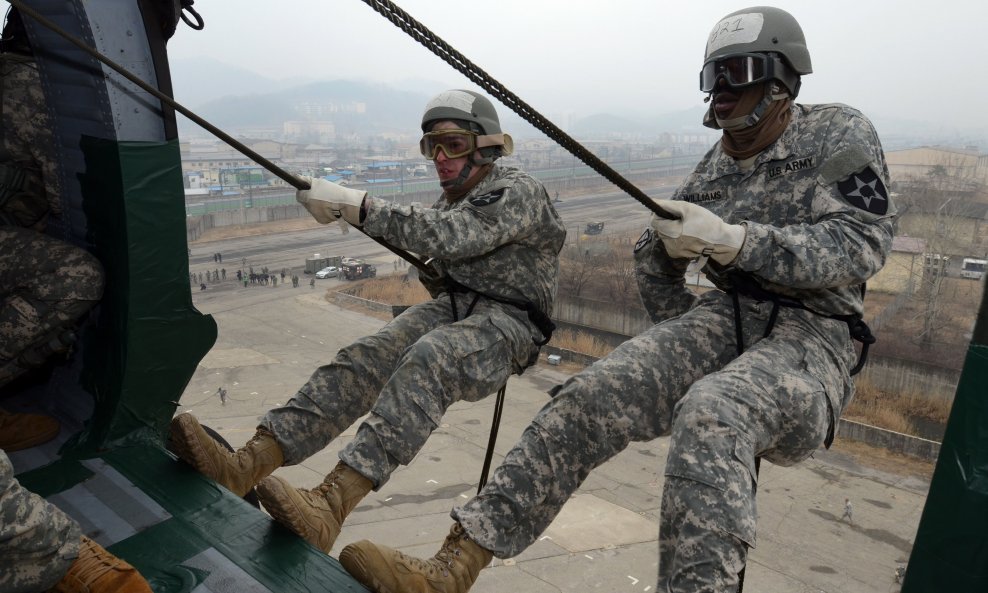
point(431, 41)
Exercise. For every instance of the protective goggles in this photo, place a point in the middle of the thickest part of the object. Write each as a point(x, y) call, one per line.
point(454, 143)
point(740, 70)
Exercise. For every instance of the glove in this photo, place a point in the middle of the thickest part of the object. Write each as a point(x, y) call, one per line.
point(327, 201)
point(698, 232)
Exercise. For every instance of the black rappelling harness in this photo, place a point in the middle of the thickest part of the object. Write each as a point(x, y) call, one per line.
point(539, 319)
point(745, 285)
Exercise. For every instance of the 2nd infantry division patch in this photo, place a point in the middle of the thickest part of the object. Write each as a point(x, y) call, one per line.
point(488, 198)
point(866, 191)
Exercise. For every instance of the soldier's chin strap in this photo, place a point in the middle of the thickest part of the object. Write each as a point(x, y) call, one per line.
point(456, 186)
point(773, 92)
point(452, 184)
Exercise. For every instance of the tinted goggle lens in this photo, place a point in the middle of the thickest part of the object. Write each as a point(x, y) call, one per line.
point(738, 71)
point(454, 143)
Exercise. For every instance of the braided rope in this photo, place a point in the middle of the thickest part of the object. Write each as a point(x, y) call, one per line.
point(458, 61)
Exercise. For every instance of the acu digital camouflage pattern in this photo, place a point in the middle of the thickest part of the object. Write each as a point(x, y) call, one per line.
point(683, 377)
point(29, 180)
point(38, 542)
point(46, 284)
point(503, 239)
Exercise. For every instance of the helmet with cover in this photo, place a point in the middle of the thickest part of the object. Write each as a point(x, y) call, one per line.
point(753, 45)
point(480, 127)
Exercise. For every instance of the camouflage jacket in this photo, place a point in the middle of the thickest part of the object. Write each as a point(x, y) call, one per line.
point(29, 182)
point(502, 239)
point(817, 209)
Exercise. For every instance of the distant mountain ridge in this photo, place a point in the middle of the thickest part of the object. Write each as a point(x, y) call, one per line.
point(234, 99)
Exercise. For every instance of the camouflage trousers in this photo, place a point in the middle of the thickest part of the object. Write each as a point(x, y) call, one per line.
point(47, 285)
point(682, 378)
point(406, 375)
point(38, 542)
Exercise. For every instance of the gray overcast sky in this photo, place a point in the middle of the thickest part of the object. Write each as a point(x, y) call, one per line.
point(905, 59)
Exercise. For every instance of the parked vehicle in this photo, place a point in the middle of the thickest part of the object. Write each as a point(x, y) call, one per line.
point(328, 272)
point(973, 268)
point(357, 269)
point(317, 262)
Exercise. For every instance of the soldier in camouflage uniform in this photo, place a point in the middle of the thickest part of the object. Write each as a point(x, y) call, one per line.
point(43, 549)
point(791, 215)
point(47, 284)
point(493, 239)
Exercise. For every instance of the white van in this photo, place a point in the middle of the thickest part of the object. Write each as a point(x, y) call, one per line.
point(973, 268)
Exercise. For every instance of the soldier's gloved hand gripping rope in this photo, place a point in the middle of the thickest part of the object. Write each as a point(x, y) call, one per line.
point(697, 232)
point(327, 201)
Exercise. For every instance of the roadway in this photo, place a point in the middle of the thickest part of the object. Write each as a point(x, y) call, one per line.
point(198, 205)
point(620, 213)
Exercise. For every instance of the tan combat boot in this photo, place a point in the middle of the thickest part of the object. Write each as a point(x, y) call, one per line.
point(237, 471)
point(22, 431)
point(98, 571)
point(452, 570)
point(315, 515)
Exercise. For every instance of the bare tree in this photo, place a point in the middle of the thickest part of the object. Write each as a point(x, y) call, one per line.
point(579, 265)
point(942, 208)
point(622, 285)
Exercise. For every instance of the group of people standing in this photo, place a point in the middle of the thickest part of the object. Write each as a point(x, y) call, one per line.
point(265, 277)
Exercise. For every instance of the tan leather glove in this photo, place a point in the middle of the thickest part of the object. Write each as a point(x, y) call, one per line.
point(327, 201)
point(698, 232)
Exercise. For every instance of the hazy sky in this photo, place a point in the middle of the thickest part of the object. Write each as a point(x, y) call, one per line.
point(905, 59)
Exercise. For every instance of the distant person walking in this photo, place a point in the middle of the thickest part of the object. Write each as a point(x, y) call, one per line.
point(222, 393)
point(848, 509)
